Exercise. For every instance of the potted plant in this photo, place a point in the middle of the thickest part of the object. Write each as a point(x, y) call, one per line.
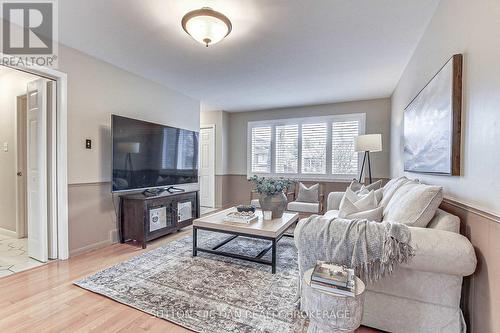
point(272, 193)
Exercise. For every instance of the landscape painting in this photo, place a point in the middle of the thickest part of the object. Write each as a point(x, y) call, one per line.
point(432, 124)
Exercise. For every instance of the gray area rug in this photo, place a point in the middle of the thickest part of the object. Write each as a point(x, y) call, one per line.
point(208, 293)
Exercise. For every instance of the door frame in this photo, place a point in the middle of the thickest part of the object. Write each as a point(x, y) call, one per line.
point(214, 145)
point(21, 152)
point(61, 145)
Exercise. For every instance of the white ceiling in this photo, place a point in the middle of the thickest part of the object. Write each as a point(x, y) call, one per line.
point(280, 52)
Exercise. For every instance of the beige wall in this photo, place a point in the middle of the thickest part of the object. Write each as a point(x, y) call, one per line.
point(221, 121)
point(12, 84)
point(377, 121)
point(471, 28)
point(96, 90)
point(481, 291)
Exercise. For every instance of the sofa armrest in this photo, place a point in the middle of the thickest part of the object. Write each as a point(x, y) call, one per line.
point(334, 199)
point(439, 251)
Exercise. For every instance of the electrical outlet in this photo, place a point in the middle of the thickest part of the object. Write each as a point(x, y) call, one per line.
point(88, 144)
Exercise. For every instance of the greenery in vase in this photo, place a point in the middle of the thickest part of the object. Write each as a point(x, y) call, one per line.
point(271, 186)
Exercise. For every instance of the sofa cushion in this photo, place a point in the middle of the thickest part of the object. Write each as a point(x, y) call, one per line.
point(413, 204)
point(445, 221)
point(308, 194)
point(391, 187)
point(303, 207)
point(331, 214)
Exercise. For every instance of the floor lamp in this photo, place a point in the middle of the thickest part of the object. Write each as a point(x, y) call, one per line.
point(369, 143)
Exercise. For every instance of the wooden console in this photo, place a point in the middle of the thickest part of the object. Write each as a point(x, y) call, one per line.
point(144, 218)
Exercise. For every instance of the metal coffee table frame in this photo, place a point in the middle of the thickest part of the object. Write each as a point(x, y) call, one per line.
point(234, 235)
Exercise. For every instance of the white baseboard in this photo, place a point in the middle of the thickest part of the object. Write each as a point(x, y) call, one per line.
point(8, 233)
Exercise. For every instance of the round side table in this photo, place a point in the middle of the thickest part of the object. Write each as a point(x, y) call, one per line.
point(329, 312)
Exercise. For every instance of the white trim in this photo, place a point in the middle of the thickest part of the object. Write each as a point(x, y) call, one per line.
point(8, 233)
point(214, 154)
point(62, 157)
point(361, 117)
point(52, 180)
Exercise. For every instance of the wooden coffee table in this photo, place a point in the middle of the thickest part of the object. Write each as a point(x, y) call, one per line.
point(271, 230)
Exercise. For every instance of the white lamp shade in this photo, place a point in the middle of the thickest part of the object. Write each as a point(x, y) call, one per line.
point(207, 28)
point(206, 25)
point(129, 147)
point(368, 142)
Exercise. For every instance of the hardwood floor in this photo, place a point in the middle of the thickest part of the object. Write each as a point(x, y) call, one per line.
point(44, 299)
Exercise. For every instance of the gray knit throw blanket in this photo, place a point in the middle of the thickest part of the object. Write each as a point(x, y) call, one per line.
point(373, 249)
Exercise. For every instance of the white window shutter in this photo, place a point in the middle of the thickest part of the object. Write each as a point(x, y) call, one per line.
point(344, 158)
point(314, 148)
point(287, 138)
point(261, 149)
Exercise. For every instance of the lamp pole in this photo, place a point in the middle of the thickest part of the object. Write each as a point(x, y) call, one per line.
point(366, 157)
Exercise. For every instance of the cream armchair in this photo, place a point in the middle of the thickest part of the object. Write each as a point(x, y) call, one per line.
point(306, 209)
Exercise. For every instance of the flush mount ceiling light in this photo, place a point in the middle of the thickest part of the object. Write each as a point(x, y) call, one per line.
point(206, 25)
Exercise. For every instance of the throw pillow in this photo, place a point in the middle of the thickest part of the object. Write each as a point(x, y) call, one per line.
point(352, 203)
point(355, 185)
point(373, 186)
point(379, 194)
point(308, 194)
point(370, 215)
point(413, 204)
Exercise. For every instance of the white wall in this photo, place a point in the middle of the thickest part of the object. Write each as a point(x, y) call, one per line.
point(377, 121)
point(96, 90)
point(471, 28)
point(12, 84)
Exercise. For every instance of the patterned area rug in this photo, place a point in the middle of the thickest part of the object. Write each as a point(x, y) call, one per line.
point(209, 293)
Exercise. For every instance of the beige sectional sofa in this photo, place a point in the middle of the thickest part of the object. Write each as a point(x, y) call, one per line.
point(424, 295)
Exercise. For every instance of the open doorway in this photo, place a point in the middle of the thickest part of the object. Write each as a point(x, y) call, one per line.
point(28, 229)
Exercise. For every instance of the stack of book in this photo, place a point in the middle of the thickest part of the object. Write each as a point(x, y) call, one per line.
point(241, 217)
point(334, 279)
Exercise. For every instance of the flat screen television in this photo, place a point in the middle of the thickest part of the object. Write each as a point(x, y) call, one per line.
point(148, 155)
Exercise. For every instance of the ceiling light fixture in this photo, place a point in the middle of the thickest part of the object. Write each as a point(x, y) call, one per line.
point(206, 25)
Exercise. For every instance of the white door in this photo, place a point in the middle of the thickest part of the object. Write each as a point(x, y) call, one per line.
point(37, 170)
point(207, 167)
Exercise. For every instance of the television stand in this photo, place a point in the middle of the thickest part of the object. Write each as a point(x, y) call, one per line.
point(144, 218)
point(173, 189)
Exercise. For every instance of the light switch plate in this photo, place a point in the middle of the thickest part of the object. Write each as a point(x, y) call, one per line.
point(5, 147)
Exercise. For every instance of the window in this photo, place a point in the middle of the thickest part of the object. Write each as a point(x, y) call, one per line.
point(287, 148)
point(344, 158)
point(313, 147)
point(261, 149)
